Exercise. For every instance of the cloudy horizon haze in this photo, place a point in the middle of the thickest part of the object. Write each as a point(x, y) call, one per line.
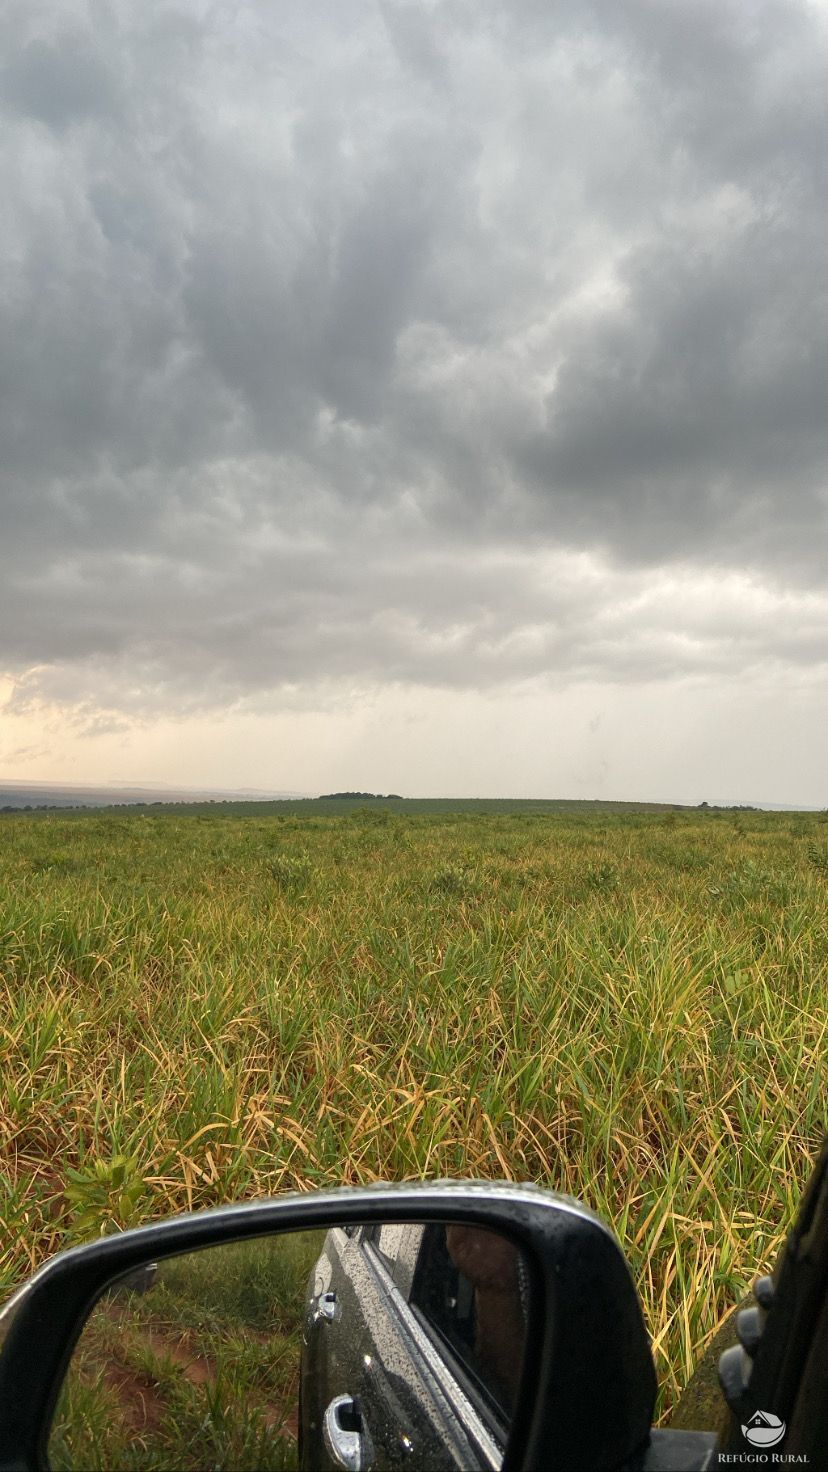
point(416, 395)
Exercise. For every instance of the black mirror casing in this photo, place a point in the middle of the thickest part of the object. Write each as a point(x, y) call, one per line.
point(589, 1384)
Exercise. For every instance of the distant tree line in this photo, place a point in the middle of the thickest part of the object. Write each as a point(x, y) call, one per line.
point(40, 807)
point(382, 796)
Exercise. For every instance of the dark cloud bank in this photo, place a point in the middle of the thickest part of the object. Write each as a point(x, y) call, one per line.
point(443, 343)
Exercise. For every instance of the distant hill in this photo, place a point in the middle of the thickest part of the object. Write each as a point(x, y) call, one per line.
point(45, 796)
point(54, 795)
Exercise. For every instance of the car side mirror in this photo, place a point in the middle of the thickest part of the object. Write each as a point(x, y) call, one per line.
point(448, 1324)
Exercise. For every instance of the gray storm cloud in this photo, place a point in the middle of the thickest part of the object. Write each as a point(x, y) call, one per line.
point(449, 344)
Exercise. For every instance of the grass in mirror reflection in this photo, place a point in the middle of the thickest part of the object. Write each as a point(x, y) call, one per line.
point(193, 1365)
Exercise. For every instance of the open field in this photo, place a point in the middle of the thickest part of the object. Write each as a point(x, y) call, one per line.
point(629, 1005)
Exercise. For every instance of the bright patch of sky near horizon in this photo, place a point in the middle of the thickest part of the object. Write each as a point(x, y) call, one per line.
point(419, 397)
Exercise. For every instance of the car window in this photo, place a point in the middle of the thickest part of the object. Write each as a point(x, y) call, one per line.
point(408, 1253)
point(444, 1296)
point(386, 1240)
point(482, 1330)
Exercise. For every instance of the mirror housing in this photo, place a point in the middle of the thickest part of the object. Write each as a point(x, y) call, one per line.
point(589, 1384)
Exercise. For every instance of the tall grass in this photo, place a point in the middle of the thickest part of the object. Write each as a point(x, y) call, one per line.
point(627, 1007)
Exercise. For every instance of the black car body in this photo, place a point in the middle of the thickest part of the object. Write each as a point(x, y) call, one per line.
point(389, 1328)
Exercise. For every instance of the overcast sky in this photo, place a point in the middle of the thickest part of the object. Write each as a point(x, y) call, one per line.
point(425, 395)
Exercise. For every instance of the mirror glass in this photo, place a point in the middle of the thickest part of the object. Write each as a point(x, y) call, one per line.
point(351, 1347)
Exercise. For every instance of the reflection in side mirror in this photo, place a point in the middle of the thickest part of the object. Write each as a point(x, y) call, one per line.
point(192, 1361)
point(384, 1344)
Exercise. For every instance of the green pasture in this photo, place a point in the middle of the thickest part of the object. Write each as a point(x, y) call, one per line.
point(626, 1004)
